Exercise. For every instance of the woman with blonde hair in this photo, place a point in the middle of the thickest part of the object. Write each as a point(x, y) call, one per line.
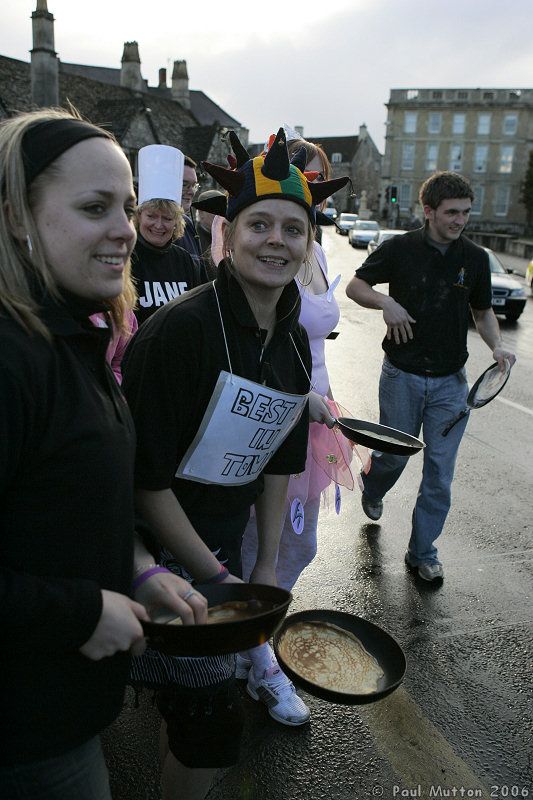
point(319, 315)
point(161, 269)
point(217, 382)
point(66, 460)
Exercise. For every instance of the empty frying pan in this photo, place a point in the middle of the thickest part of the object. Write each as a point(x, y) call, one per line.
point(486, 388)
point(379, 437)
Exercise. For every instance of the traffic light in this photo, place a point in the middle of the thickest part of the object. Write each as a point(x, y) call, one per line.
point(387, 194)
point(394, 194)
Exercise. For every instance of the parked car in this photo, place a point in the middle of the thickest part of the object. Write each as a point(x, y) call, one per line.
point(362, 232)
point(508, 294)
point(529, 276)
point(331, 212)
point(345, 222)
point(382, 236)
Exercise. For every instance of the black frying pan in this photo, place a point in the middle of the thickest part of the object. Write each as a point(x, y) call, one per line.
point(486, 388)
point(374, 639)
point(268, 605)
point(379, 437)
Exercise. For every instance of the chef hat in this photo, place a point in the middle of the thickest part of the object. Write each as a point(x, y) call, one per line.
point(160, 173)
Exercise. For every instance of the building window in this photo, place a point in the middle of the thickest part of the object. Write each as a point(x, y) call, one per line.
point(459, 123)
point(479, 195)
point(462, 95)
point(488, 95)
point(515, 95)
point(456, 157)
point(434, 122)
point(412, 94)
point(405, 196)
point(483, 124)
point(501, 200)
point(506, 158)
point(436, 95)
point(510, 124)
point(481, 157)
point(409, 121)
point(432, 156)
point(408, 156)
point(336, 158)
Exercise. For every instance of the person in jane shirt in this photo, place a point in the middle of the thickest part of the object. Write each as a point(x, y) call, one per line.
point(162, 270)
point(242, 327)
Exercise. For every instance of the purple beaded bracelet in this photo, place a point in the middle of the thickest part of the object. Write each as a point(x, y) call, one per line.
point(148, 574)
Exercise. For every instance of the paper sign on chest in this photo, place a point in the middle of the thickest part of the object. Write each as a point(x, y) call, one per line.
point(243, 426)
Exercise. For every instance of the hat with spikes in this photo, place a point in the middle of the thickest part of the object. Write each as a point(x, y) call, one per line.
point(267, 176)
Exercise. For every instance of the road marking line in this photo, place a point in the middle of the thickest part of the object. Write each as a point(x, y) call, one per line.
point(419, 754)
point(515, 405)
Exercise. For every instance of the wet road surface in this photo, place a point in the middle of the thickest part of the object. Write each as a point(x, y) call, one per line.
point(462, 723)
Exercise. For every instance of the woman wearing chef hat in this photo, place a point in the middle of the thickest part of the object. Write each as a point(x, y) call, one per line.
point(162, 270)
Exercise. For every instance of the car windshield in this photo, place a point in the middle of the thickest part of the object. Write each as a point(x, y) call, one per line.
point(495, 264)
point(367, 226)
point(348, 217)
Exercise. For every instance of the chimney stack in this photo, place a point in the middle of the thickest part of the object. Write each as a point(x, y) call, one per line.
point(180, 84)
point(44, 62)
point(162, 78)
point(130, 71)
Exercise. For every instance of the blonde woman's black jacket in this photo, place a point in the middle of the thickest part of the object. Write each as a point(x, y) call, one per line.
point(66, 522)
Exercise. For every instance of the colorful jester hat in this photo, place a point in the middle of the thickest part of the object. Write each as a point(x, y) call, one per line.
point(268, 176)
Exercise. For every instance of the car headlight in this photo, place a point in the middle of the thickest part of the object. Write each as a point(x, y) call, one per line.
point(517, 293)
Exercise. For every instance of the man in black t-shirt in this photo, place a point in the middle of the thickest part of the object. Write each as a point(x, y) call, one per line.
point(436, 278)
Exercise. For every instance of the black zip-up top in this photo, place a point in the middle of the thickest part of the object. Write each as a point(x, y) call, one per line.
point(437, 291)
point(171, 370)
point(66, 518)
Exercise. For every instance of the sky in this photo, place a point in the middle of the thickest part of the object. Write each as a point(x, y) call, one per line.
point(326, 66)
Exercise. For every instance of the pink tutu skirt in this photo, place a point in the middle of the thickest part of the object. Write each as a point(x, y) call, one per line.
point(331, 458)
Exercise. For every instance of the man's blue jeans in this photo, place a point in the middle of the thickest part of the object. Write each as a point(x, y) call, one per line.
point(79, 774)
point(410, 403)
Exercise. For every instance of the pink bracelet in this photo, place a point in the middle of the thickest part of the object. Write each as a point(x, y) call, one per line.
point(140, 579)
point(218, 578)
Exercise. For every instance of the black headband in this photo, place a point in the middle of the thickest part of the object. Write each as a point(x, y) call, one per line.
point(46, 141)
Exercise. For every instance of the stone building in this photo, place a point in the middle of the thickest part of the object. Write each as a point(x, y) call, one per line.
point(355, 156)
point(119, 99)
point(485, 134)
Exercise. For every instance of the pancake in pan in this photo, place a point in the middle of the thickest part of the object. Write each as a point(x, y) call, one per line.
point(330, 657)
point(232, 611)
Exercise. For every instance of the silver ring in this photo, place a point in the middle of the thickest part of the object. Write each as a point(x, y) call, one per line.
point(188, 594)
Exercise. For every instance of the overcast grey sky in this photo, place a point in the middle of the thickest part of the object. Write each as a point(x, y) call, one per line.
point(328, 66)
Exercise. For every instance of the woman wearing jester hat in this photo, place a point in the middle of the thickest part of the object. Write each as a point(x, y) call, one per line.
point(217, 382)
point(329, 455)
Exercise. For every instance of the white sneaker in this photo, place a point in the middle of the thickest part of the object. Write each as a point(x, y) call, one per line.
point(279, 695)
point(243, 666)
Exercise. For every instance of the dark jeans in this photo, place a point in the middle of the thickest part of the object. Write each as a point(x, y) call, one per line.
point(79, 774)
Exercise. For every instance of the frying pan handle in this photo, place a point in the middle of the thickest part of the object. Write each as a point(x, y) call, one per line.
point(454, 421)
